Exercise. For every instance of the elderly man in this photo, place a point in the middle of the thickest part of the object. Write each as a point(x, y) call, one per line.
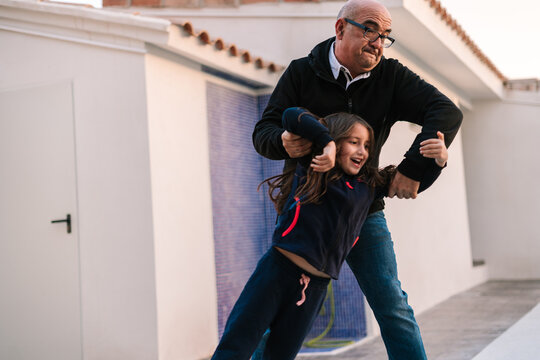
point(348, 73)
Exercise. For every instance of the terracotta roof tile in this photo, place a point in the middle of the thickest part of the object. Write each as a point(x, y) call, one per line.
point(233, 50)
point(219, 44)
point(447, 18)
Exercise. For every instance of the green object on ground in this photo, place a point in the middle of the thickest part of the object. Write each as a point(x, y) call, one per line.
point(318, 342)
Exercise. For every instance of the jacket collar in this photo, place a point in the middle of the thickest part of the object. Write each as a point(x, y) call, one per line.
point(336, 68)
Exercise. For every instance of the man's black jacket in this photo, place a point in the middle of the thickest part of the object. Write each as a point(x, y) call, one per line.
point(391, 93)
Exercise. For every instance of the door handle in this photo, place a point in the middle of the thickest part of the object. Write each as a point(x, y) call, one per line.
point(67, 220)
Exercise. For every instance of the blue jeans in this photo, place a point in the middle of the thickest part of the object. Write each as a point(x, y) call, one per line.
point(373, 263)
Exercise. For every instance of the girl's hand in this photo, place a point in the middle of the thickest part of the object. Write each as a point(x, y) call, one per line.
point(325, 161)
point(435, 149)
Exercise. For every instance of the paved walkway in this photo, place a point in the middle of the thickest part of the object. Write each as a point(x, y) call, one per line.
point(463, 326)
point(521, 341)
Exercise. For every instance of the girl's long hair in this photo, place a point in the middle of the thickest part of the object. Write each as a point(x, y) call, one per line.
point(340, 127)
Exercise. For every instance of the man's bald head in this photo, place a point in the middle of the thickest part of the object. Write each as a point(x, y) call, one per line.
point(353, 8)
point(352, 49)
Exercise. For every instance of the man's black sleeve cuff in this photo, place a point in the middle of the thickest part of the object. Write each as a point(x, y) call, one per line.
point(411, 169)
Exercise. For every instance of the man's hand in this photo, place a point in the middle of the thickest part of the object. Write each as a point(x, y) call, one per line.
point(403, 187)
point(435, 149)
point(325, 161)
point(295, 145)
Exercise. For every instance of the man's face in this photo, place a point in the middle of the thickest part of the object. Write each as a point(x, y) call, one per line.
point(355, 52)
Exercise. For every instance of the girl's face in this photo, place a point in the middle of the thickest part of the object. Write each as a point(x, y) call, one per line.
point(353, 150)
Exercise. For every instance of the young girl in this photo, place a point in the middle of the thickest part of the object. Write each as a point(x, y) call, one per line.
point(321, 209)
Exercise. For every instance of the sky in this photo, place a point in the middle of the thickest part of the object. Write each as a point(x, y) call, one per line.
point(508, 32)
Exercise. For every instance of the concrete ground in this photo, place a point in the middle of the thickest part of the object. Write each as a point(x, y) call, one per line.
point(462, 326)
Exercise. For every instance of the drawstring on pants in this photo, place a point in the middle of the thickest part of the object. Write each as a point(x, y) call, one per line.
point(304, 280)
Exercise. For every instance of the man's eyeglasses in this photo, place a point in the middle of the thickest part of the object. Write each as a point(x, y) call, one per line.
point(371, 35)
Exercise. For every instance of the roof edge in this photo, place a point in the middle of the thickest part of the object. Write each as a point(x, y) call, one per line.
point(131, 32)
point(456, 27)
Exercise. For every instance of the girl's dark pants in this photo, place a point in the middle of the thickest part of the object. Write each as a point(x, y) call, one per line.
point(269, 301)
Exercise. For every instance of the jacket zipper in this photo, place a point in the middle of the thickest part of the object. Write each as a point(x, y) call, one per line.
point(334, 81)
point(332, 248)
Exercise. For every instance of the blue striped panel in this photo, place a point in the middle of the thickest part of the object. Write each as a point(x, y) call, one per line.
point(244, 219)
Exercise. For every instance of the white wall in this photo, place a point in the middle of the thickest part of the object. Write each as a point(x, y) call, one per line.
point(502, 167)
point(114, 199)
point(431, 233)
point(181, 193)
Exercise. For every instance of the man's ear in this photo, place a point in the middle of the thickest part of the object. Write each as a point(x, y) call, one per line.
point(340, 25)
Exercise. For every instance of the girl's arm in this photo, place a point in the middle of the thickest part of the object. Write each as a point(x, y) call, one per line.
point(301, 122)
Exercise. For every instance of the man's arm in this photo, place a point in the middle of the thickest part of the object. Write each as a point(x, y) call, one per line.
point(431, 148)
point(421, 103)
point(269, 138)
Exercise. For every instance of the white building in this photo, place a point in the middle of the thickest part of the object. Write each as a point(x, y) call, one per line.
point(125, 122)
